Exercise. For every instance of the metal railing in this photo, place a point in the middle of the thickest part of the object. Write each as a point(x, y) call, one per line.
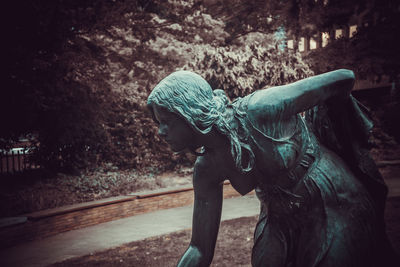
point(15, 160)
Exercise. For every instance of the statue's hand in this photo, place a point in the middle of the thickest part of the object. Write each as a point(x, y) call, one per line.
point(192, 257)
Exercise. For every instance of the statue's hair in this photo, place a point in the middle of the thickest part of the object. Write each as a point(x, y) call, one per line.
point(187, 94)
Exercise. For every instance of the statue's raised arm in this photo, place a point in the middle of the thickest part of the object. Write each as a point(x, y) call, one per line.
point(287, 100)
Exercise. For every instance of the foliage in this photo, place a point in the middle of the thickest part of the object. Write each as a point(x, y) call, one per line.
point(80, 72)
point(44, 92)
point(244, 17)
point(371, 52)
point(58, 80)
point(240, 70)
point(134, 66)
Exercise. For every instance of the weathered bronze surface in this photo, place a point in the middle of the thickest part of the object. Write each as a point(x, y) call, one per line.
point(303, 147)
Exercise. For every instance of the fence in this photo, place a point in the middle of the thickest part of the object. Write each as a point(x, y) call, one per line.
point(15, 160)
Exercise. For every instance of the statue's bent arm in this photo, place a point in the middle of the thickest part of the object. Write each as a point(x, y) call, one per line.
point(286, 100)
point(206, 216)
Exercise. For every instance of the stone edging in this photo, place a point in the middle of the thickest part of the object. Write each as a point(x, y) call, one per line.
point(106, 201)
point(49, 222)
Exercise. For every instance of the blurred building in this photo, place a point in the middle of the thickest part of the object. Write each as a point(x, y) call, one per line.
point(321, 40)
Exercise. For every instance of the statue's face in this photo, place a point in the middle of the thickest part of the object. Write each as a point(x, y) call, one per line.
point(173, 129)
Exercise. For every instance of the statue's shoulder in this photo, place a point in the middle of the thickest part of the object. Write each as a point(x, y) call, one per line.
point(246, 105)
point(266, 102)
point(256, 107)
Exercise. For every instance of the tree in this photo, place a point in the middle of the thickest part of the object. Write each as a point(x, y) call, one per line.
point(43, 93)
point(372, 52)
point(64, 79)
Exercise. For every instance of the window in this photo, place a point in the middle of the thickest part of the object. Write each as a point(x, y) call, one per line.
point(313, 43)
point(325, 39)
point(338, 33)
point(302, 44)
point(352, 30)
point(290, 44)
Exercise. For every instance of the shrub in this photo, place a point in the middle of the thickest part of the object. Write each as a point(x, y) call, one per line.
point(242, 69)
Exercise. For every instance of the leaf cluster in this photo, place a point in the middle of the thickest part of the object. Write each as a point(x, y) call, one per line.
point(240, 70)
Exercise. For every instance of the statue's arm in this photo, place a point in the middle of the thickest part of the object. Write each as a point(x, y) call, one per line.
point(206, 216)
point(287, 100)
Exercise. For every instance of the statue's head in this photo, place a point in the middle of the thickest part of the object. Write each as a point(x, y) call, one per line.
point(188, 103)
point(189, 96)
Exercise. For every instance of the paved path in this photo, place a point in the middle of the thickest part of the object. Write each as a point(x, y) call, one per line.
point(111, 234)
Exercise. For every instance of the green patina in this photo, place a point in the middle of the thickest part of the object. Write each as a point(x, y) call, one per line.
point(303, 147)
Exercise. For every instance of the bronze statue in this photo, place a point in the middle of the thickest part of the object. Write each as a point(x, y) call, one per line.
point(303, 147)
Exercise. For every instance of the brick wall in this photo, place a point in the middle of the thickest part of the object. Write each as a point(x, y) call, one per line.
point(49, 222)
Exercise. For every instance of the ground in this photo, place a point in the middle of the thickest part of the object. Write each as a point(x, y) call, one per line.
point(233, 247)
